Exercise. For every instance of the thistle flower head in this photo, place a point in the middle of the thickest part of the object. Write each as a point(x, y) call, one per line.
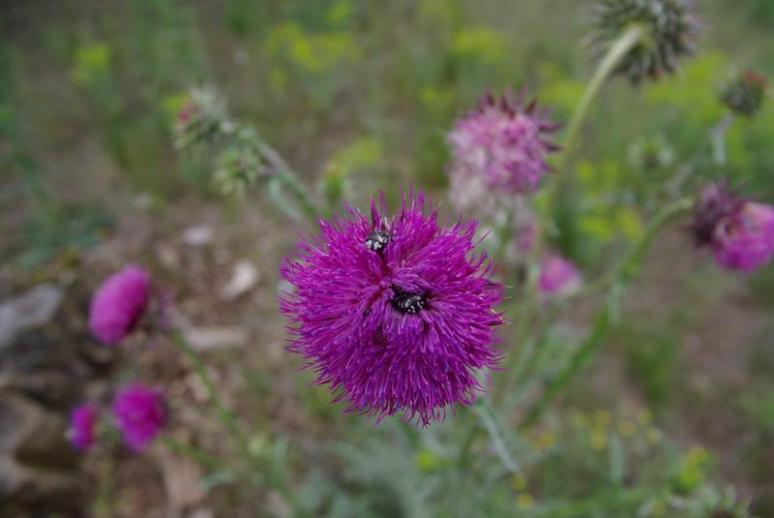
point(395, 313)
point(745, 94)
point(119, 304)
point(200, 120)
point(140, 413)
point(558, 277)
point(670, 30)
point(501, 147)
point(83, 425)
point(740, 232)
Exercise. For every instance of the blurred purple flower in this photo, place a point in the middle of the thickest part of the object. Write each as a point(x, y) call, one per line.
point(83, 424)
point(558, 277)
point(740, 232)
point(119, 304)
point(140, 413)
point(397, 313)
point(501, 147)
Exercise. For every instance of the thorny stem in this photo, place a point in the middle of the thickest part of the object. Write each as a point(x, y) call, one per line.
point(288, 179)
point(623, 274)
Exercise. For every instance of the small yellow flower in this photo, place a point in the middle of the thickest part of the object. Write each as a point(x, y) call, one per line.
point(518, 482)
point(627, 428)
point(598, 439)
point(653, 435)
point(645, 417)
point(602, 418)
point(525, 501)
point(658, 509)
point(426, 461)
point(579, 419)
point(544, 441)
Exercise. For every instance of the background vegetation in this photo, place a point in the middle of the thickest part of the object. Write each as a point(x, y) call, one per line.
point(678, 409)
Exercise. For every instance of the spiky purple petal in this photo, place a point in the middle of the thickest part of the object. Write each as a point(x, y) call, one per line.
point(404, 327)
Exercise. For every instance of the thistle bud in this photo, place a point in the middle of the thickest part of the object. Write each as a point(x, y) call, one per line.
point(237, 169)
point(201, 119)
point(744, 95)
point(670, 30)
point(740, 232)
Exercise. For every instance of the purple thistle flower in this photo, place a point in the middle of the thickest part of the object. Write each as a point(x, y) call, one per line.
point(500, 147)
point(140, 413)
point(119, 304)
point(558, 277)
point(83, 424)
point(740, 232)
point(396, 314)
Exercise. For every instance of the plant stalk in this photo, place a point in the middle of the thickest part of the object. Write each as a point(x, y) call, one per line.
point(623, 274)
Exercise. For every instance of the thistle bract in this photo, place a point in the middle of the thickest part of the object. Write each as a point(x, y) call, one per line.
point(140, 414)
point(499, 149)
point(201, 119)
point(395, 313)
point(670, 30)
point(83, 425)
point(744, 95)
point(119, 304)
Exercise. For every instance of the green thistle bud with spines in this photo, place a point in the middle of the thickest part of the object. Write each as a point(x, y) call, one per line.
point(744, 95)
point(670, 30)
point(202, 119)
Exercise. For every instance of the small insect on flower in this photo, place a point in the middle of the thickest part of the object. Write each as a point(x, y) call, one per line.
point(119, 304)
point(744, 95)
point(499, 149)
point(83, 425)
point(670, 31)
point(558, 277)
point(740, 232)
point(397, 314)
point(140, 414)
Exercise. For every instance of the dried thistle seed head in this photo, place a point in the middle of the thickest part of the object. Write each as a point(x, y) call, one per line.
point(670, 30)
point(744, 94)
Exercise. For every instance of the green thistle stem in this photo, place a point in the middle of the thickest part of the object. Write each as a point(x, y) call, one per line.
point(498, 443)
point(288, 179)
point(192, 452)
point(628, 39)
point(623, 274)
point(226, 416)
point(618, 50)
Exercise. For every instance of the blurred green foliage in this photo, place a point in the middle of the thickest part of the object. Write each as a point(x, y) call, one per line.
point(359, 97)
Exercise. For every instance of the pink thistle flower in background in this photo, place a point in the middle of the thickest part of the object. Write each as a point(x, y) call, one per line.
point(140, 413)
point(740, 232)
point(558, 277)
point(119, 304)
point(83, 424)
point(499, 148)
point(396, 313)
